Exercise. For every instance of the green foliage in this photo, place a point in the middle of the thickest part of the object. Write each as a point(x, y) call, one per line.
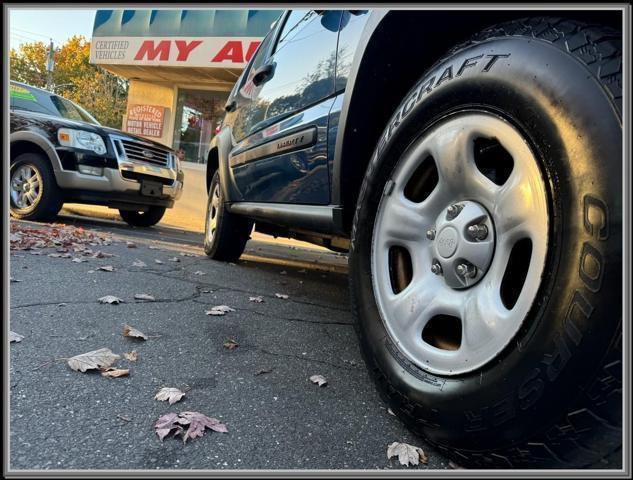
point(100, 92)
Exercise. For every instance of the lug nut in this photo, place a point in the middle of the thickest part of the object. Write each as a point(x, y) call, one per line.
point(478, 232)
point(466, 270)
point(436, 268)
point(430, 234)
point(453, 210)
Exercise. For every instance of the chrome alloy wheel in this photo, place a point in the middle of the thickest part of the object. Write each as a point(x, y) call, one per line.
point(26, 187)
point(212, 214)
point(459, 243)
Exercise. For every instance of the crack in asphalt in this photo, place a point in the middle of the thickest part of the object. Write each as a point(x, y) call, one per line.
point(302, 357)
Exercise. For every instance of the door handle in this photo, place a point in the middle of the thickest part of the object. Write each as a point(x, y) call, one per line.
point(230, 106)
point(263, 74)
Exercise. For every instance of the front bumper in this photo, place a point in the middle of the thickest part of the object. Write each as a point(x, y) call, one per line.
point(113, 180)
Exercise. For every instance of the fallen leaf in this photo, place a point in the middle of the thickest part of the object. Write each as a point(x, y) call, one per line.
point(115, 372)
point(102, 358)
point(131, 356)
point(111, 299)
point(130, 244)
point(144, 296)
point(257, 299)
point(195, 421)
point(63, 304)
point(106, 268)
point(219, 310)
point(231, 344)
point(160, 262)
point(100, 254)
point(407, 454)
point(14, 280)
point(79, 260)
point(174, 259)
point(15, 337)
point(154, 247)
point(390, 412)
point(199, 272)
point(263, 371)
point(133, 332)
point(281, 295)
point(172, 395)
point(139, 263)
point(183, 254)
point(319, 380)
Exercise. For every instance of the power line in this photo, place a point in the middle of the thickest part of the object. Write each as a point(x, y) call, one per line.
point(38, 34)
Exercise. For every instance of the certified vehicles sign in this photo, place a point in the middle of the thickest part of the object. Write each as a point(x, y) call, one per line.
point(174, 51)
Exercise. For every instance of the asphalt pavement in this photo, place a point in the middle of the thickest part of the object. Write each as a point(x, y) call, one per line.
point(63, 419)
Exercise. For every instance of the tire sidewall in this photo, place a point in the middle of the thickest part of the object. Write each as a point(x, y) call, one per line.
point(211, 247)
point(575, 133)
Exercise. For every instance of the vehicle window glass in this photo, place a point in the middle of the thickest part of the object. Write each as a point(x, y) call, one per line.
point(40, 101)
point(292, 27)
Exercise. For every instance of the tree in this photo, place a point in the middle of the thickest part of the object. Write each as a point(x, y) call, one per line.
point(100, 92)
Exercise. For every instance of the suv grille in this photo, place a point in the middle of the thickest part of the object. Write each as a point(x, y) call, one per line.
point(140, 152)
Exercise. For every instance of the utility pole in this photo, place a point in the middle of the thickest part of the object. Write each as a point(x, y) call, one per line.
point(50, 65)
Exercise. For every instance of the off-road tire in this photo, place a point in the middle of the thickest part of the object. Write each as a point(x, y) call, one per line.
point(232, 231)
point(552, 398)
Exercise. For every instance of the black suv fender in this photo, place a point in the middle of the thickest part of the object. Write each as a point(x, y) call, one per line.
point(35, 142)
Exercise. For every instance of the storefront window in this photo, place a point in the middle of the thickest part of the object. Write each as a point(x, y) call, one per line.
point(198, 113)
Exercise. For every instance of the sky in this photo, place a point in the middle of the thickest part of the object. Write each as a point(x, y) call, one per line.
point(37, 24)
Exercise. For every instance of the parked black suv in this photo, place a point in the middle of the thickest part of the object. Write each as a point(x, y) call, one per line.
point(60, 153)
point(471, 162)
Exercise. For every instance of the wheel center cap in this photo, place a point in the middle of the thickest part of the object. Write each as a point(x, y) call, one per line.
point(464, 245)
point(447, 242)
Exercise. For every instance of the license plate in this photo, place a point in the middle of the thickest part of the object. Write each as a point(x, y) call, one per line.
point(151, 189)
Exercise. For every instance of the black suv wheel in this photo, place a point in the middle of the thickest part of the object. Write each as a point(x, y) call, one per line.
point(34, 194)
point(146, 218)
point(486, 264)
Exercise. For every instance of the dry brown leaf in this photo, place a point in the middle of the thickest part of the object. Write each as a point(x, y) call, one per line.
point(231, 344)
point(195, 421)
point(102, 358)
point(160, 262)
point(281, 295)
point(144, 296)
point(407, 454)
point(139, 263)
point(106, 268)
point(257, 299)
point(174, 259)
point(133, 332)
point(219, 310)
point(130, 244)
point(111, 299)
point(115, 372)
point(318, 380)
point(15, 337)
point(131, 356)
point(14, 280)
point(172, 395)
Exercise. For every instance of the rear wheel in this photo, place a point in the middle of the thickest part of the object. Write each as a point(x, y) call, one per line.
point(34, 194)
point(225, 234)
point(143, 218)
point(486, 260)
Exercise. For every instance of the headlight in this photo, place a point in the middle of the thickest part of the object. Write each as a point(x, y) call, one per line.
point(81, 139)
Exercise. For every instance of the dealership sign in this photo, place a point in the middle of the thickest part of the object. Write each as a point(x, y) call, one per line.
point(145, 120)
point(174, 51)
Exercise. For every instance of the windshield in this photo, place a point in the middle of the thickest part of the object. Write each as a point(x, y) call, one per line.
point(40, 101)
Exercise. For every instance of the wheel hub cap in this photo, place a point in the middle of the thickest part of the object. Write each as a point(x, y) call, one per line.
point(463, 256)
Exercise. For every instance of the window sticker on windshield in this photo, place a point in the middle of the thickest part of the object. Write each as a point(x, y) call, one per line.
point(20, 92)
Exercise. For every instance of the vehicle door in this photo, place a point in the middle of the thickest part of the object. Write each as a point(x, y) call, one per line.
point(280, 150)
